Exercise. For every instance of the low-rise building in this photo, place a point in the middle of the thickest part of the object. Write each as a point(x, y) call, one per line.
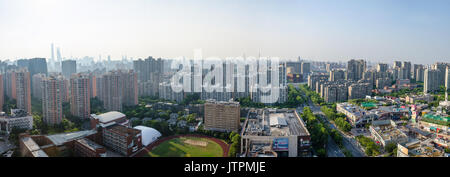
point(122, 139)
point(418, 149)
point(414, 98)
point(385, 132)
point(18, 119)
point(109, 118)
point(275, 132)
point(357, 116)
point(87, 148)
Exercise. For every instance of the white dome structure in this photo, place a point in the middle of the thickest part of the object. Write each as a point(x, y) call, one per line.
point(149, 135)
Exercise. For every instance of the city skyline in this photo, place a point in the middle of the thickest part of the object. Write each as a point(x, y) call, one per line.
point(377, 31)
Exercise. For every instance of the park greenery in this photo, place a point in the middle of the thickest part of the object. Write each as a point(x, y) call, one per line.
point(370, 147)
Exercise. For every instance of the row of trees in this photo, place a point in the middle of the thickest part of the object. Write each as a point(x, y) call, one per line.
point(338, 118)
point(319, 132)
point(315, 97)
point(235, 140)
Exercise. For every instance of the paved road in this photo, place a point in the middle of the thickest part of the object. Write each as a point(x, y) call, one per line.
point(349, 142)
point(333, 149)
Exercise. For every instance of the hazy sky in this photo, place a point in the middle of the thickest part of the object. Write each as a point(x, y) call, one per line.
point(314, 29)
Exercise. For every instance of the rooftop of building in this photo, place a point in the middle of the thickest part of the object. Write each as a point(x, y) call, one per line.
point(33, 147)
point(387, 130)
point(231, 102)
point(121, 129)
point(60, 139)
point(275, 123)
point(89, 144)
point(439, 117)
point(108, 117)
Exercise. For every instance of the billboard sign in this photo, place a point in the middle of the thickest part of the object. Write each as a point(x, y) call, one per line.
point(280, 144)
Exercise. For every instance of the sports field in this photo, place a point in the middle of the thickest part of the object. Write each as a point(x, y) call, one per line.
point(187, 146)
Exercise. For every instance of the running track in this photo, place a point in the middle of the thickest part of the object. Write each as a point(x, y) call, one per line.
point(144, 151)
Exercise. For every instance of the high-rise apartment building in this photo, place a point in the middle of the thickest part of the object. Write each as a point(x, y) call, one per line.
point(149, 73)
point(336, 75)
point(130, 88)
point(23, 90)
point(440, 67)
point(222, 116)
point(431, 80)
point(355, 69)
point(406, 70)
point(111, 91)
point(117, 88)
point(10, 84)
point(306, 68)
point(80, 96)
point(52, 110)
point(92, 85)
point(418, 72)
point(382, 67)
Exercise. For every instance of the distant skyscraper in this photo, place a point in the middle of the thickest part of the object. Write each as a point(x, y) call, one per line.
point(441, 75)
point(418, 72)
point(37, 85)
point(34, 65)
point(58, 55)
point(431, 77)
point(53, 54)
point(69, 67)
point(23, 90)
point(355, 69)
point(80, 96)
point(52, 100)
point(306, 68)
point(406, 69)
point(382, 67)
point(397, 64)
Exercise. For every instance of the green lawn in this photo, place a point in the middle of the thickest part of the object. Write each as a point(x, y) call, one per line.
point(177, 148)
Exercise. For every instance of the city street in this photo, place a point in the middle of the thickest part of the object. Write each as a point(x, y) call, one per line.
point(349, 142)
